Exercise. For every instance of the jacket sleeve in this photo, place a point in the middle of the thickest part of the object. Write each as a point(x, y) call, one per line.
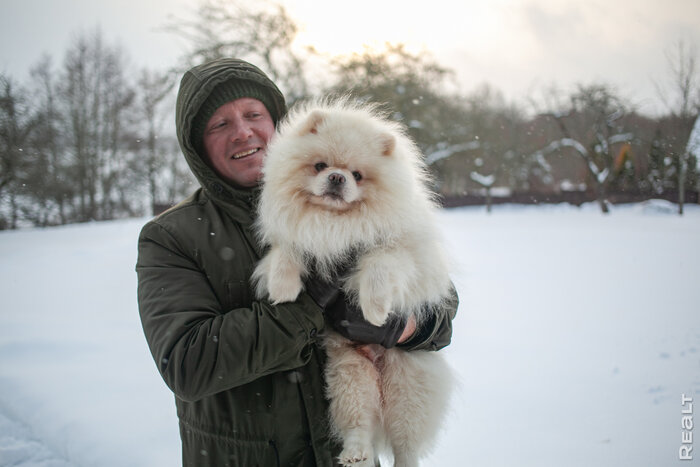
point(435, 332)
point(200, 349)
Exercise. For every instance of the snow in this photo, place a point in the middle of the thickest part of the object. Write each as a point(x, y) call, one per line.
point(449, 151)
point(577, 335)
point(484, 180)
point(563, 143)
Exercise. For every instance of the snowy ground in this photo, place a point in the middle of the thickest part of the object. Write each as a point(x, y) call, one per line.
point(576, 337)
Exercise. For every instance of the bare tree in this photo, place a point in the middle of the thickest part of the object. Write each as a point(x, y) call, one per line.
point(262, 32)
point(592, 128)
point(486, 181)
point(682, 64)
point(683, 80)
point(15, 127)
point(153, 90)
point(411, 88)
point(497, 127)
point(51, 186)
point(95, 95)
point(118, 96)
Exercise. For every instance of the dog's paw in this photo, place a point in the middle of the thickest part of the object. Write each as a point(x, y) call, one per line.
point(374, 308)
point(282, 275)
point(356, 456)
point(284, 289)
point(375, 313)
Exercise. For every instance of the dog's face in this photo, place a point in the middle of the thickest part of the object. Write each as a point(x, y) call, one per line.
point(334, 162)
point(335, 187)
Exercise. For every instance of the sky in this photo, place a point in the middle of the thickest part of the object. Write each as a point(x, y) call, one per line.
point(519, 47)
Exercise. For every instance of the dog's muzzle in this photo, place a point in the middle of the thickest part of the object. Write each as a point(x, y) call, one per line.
point(336, 179)
point(335, 184)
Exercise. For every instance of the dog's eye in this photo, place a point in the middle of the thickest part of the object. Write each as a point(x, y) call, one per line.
point(320, 166)
point(357, 175)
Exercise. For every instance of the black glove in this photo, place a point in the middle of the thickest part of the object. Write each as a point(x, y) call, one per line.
point(347, 320)
point(325, 291)
point(322, 291)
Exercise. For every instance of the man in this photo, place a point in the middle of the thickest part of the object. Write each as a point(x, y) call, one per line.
point(247, 376)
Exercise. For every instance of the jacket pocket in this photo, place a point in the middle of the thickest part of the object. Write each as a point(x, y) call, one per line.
point(203, 449)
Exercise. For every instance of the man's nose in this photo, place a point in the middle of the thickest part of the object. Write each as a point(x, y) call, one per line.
point(241, 131)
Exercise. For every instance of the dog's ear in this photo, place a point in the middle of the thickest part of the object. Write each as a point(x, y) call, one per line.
point(388, 143)
point(312, 122)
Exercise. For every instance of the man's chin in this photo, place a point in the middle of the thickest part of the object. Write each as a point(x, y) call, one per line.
point(245, 172)
point(245, 178)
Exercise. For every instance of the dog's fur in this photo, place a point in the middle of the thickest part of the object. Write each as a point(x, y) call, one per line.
point(342, 183)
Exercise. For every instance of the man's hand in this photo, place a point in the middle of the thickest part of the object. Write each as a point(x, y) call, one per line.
point(408, 331)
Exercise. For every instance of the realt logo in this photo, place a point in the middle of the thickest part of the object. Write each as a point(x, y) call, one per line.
point(685, 452)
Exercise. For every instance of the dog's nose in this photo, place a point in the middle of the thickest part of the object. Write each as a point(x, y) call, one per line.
point(336, 179)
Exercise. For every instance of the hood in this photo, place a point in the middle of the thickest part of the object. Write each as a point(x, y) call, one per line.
point(195, 87)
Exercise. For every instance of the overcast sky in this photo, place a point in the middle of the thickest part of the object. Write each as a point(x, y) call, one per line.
point(518, 46)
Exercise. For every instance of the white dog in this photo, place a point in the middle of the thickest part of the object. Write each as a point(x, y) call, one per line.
point(342, 181)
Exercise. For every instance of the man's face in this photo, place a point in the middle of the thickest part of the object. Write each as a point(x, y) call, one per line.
point(235, 140)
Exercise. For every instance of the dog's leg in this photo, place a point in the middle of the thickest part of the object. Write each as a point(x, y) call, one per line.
point(416, 388)
point(379, 278)
point(354, 394)
point(405, 459)
point(280, 273)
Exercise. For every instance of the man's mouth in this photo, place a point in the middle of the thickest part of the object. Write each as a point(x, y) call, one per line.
point(242, 154)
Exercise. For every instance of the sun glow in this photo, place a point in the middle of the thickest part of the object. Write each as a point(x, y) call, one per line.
point(340, 29)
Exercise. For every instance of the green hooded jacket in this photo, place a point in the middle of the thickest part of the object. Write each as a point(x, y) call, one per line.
point(247, 376)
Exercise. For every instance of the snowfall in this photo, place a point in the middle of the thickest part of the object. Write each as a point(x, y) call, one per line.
point(576, 340)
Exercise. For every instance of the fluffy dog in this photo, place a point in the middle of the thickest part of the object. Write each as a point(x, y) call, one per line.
point(341, 183)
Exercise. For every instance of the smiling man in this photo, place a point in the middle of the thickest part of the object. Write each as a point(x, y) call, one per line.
point(247, 375)
point(232, 130)
point(235, 139)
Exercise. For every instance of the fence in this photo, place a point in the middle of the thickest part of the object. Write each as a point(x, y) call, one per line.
point(571, 197)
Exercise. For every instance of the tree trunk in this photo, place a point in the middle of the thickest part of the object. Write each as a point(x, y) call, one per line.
point(601, 197)
point(681, 182)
